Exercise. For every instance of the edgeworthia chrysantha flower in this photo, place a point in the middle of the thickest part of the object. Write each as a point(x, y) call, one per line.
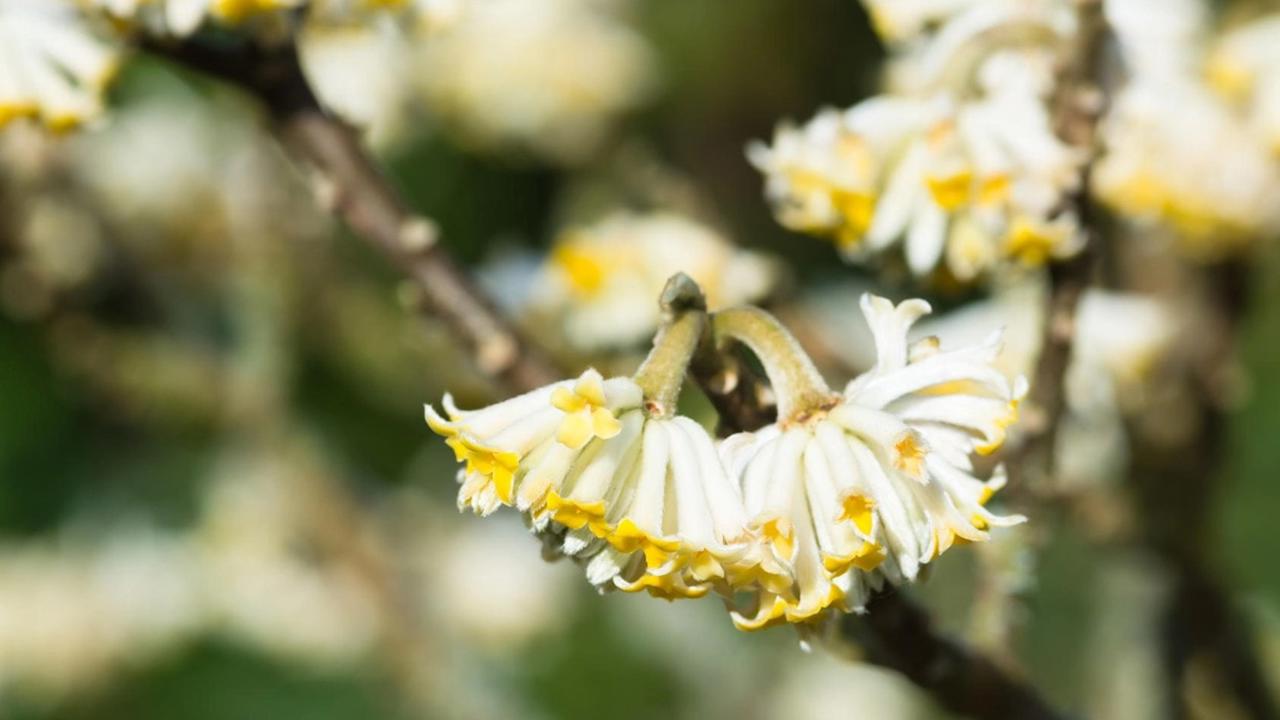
point(598, 283)
point(1178, 156)
point(957, 162)
point(812, 512)
point(849, 490)
point(609, 472)
point(962, 184)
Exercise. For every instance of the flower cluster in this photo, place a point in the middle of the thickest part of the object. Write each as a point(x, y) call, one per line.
point(1178, 155)
point(599, 279)
point(57, 57)
point(959, 164)
point(540, 76)
point(845, 492)
point(1244, 65)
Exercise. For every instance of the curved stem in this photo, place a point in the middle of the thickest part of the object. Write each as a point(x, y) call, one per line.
point(662, 373)
point(797, 384)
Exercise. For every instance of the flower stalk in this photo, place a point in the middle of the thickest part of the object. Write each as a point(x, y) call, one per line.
point(661, 375)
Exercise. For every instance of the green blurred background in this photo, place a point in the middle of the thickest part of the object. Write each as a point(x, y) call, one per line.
point(75, 453)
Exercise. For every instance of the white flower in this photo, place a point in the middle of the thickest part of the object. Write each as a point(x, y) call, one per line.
point(1244, 65)
point(360, 71)
point(1120, 340)
point(484, 581)
point(540, 75)
point(822, 178)
point(899, 20)
point(964, 34)
point(945, 26)
point(53, 65)
point(1158, 38)
point(70, 614)
point(260, 588)
point(643, 497)
point(878, 482)
point(1177, 157)
point(501, 444)
point(599, 280)
point(362, 60)
point(972, 183)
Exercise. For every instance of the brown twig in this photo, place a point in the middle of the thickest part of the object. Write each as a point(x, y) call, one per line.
point(741, 398)
point(897, 634)
point(1078, 104)
point(355, 190)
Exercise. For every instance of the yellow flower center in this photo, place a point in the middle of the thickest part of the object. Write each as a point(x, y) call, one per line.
point(910, 455)
point(585, 413)
point(779, 533)
point(629, 537)
point(497, 465)
point(576, 515)
point(950, 191)
point(857, 508)
point(585, 271)
point(1033, 242)
point(993, 190)
point(1000, 431)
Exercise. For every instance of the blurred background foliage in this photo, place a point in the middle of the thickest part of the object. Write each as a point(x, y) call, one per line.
point(84, 447)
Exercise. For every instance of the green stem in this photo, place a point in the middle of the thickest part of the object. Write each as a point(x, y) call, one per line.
point(662, 373)
point(798, 386)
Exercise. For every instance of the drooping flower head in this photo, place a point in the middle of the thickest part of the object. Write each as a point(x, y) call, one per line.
point(848, 491)
point(843, 493)
point(609, 473)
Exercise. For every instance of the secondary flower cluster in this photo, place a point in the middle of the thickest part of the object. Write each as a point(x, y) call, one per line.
point(959, 163)
point(57, 57)
point(598, 282)
point(1190, 138)
point(846, 491)
point(540, 77)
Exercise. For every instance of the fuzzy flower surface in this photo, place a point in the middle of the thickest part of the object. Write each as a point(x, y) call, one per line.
point(878, 482)
point(847, 491)
point(545, 77)
point(54, 65)
point(957, 163)
point(597, 284)
point(961, 184)
point(641, 499)
point(1244, 66)
point(1180, 156)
